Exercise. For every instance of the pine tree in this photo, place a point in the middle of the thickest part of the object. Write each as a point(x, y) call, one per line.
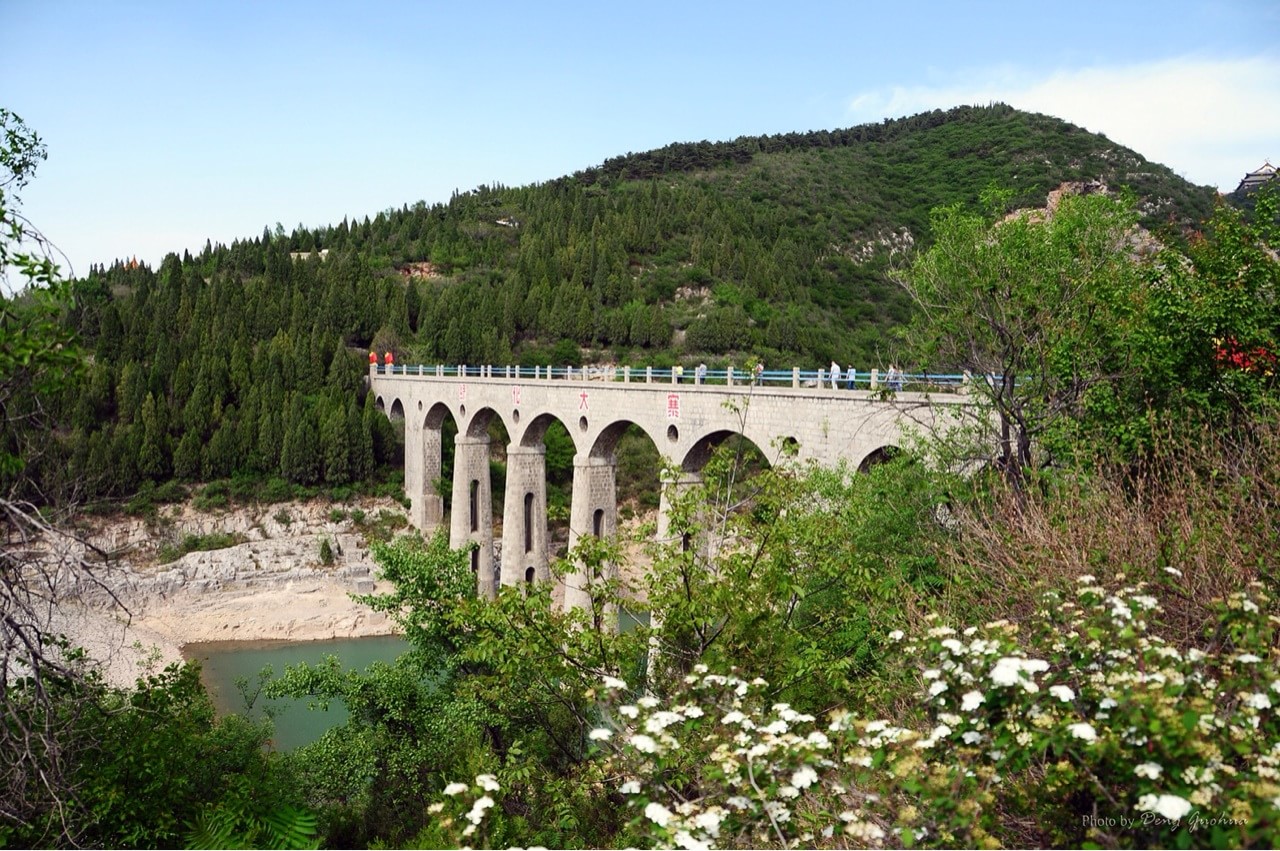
point(360, 440)
point(152, 453)
point(337, 447)
point(186, 458)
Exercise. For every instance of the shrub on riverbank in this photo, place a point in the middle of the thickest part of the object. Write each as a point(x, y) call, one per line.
point(199, 543)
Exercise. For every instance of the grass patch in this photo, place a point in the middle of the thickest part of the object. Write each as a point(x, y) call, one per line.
point(199, 543)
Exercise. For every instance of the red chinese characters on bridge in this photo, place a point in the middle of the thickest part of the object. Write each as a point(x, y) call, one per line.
point(673, 406)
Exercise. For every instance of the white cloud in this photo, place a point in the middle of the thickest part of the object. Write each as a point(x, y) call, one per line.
point(1208, 120)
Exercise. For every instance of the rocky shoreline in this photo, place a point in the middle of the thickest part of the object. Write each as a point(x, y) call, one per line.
point(271, 585)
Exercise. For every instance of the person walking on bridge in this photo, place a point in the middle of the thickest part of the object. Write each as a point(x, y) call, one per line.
point(835, 376)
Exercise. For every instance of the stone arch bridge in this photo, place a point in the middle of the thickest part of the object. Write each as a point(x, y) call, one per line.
point(686, 419)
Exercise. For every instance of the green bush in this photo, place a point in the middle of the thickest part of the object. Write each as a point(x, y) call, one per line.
point(199, 543)
point(276, 490)
point(214, 496)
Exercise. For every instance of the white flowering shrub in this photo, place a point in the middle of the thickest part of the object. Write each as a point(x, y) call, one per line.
point(1080, 727)
point(720, 767)
point(1084, 726)
point(459, 818)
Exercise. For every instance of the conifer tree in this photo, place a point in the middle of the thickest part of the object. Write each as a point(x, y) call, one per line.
point(186, 458)
point(360, 441)
point(337, 447)
point(152, 453)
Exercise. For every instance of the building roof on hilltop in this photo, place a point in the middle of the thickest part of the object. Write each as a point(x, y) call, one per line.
point(1257, 177)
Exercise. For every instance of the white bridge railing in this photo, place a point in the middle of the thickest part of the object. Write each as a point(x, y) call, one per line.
point(872, 379)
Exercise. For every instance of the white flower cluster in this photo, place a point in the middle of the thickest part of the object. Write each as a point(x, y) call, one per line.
point(484, 783)
point(760, 763)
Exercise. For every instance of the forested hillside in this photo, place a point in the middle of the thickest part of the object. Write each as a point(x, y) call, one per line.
point(246, 359)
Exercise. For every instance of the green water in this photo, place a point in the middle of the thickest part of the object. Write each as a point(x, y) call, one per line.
point(301, 721)
point(296, 721)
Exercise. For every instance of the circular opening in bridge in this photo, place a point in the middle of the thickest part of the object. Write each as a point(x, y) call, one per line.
point(515, 416)
point(582, 423)
point(673, 433)
point(419, 404)
point(462, 410)
point(790, 447)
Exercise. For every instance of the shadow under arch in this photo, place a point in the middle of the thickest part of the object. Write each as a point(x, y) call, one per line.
point(479, 422)
point(436, 415)
point(606, 444)
point(535, 433)
point(397, 411)
point(881, 455)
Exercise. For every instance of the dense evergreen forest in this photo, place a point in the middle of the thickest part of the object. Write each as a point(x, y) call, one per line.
point(246, 359)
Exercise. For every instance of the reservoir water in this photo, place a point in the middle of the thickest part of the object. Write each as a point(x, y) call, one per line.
point(296, 722)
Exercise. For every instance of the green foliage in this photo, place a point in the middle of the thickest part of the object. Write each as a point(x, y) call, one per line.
point(159, 763)
point(213, 497)
point(1035, 307)
point(232, 826)
point(199, 543)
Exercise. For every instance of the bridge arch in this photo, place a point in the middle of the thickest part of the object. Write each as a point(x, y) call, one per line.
point(877, 456)
point(534, 432)
point(605, 444)
point(700, 453)
point(478, 422)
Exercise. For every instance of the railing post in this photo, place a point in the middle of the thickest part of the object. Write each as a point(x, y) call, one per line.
point(795, 376)
point(729, 376)
point(875, 378)
point(648, 375)
point(626, 375)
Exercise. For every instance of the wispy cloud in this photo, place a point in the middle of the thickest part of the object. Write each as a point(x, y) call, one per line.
point(1209, 120)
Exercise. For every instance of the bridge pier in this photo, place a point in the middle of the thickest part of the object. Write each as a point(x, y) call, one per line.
point(594, 511)
point(672, 491)
point(472, 516)
point(422, 455)
point(524, 516)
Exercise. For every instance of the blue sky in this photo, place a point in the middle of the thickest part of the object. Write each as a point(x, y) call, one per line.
point(171, 122)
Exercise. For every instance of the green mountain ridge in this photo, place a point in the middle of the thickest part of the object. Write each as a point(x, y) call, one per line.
point(247, 358)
